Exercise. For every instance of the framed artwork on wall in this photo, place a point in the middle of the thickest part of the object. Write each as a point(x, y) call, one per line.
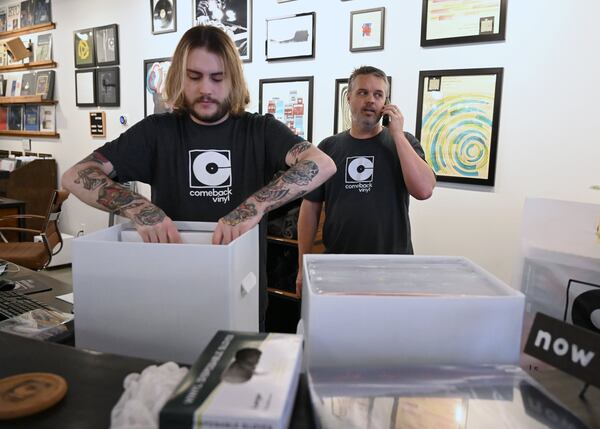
point(83, 44)
point(291, 37)
point(342, 119)
point(164, 16)
point(458, 115)
point(106, 43)
point(155, 74)
point(462, 21)
point(290, 100)
point(85, 88)
point(233, 16)
point(107, 86)
point(367, 29)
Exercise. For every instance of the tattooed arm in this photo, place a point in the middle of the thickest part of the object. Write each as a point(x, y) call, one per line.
point(309, 167)
point(89, 180)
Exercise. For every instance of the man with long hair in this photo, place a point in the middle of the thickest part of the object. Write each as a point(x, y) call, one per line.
point(208, 160)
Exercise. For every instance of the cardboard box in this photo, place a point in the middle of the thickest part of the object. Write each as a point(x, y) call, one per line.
point(162, 301)
point(374, 311)
point(241, 380)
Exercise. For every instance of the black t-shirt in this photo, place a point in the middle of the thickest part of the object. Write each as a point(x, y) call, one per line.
point(366, 201)
point(199, 172)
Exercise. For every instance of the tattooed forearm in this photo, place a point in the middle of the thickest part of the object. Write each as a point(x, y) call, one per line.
point(302, 173)
point(150, 216)
point(272, 192)
point(114, 197)
point(121, 210)
point(240, 214)
point(280, 203)
point(98, 159)
point(91, 178)
point(298, 149)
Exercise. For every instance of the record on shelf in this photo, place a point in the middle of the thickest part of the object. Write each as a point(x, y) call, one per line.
point(163, 14)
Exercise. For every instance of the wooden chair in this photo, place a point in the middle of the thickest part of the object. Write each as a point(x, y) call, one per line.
point(34, 255)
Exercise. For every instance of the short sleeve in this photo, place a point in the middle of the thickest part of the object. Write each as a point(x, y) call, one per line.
point(416, 145)
point(279, 139)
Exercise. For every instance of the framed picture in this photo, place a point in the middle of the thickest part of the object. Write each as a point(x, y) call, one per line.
point(155, 74)
point(106, 43)
point(164, 16)
point(367, 28)
point(83, 42)
point(462, 21)
point(85, 88)
point(107, 86)
point(342, 119)
point(291, 37)
point(290, 100)
point(458, 113)
point(234, 16)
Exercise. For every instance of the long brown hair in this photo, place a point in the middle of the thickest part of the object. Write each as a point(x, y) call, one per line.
point(219, 43)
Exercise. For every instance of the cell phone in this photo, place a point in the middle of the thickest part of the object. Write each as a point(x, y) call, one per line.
point(385, 120)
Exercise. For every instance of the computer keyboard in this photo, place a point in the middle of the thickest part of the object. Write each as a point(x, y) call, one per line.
point(14, 304)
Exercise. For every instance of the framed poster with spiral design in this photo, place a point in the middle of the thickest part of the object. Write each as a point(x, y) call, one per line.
point(458, 114)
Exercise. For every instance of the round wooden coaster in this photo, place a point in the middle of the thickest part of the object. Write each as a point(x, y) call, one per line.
point(26, 394)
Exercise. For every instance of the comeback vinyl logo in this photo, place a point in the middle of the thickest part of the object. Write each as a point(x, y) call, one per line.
point(210, 169)
point(359, 173)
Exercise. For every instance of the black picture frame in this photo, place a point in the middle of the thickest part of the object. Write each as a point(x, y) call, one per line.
point(470, 28)
point(83, 48)
point(108, 88)
point(291, 37)
point(341, 108)
point(163, 16)
point(106, 45)
point(154, 84)
point(458, 123)
point(85, 88)
point(234, 16)
point(368, 29)
point(278, 93)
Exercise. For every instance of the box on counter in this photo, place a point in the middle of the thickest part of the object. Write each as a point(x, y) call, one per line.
point(241, 380)
point(162, 301)
point(373, 311)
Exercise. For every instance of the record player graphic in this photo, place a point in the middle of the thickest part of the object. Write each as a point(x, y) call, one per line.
point(163, 14)
point(359, 169)
point(210, 168)
point(582, 307)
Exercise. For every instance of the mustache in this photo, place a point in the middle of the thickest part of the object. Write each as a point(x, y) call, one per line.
point(205, 99)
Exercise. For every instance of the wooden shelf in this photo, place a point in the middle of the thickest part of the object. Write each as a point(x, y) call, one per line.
point(17, 133)
point(28, 30)
point(48, 64)
point(28, 99)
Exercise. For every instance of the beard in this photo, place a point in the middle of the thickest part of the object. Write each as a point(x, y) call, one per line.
point(222, 109)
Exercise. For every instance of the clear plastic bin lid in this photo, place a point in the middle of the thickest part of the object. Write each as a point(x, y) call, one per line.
point(401, 275)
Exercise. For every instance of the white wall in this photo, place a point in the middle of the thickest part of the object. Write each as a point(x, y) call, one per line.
point(548, 145)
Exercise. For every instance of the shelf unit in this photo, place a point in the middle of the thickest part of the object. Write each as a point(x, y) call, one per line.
point(34, 99)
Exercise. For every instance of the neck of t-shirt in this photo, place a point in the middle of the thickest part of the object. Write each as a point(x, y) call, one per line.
point(366, 134)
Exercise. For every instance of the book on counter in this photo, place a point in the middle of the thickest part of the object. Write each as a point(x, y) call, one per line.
point(242, 380)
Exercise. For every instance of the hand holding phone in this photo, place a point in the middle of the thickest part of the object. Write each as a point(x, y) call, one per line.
point(385, 120)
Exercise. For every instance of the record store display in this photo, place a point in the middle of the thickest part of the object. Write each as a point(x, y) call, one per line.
point(164, 16)
point(83, 41)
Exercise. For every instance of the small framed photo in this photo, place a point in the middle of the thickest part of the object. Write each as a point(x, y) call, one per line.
point(458, 115)
point(459, 21)
point(164, 16)
point(367, 29)
point(107, 86)
point(290, 100)
point(233, 16)
point(85, 88)
point(342, 119)
point(155, 75)
point(106, 42)
point(83, 42)
point(291, 37)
